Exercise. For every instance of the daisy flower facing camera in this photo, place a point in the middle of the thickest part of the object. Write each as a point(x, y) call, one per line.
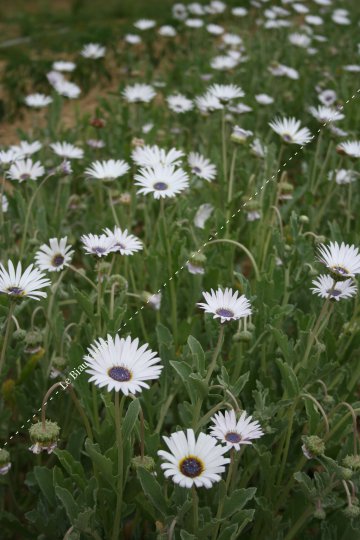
point(121, 365)
point(139, 93)
point(18, 285)
point(53, 258)
point(290, 132)
point(123, 242)
point(325, 287)
point(38, 101)
point(201, 166)
point(162, 181)
point(25, 169)
point(100, 245)
point(193, 462)
point(234, 432)
point(342, 260)
point(226, 305)
point(107, 170)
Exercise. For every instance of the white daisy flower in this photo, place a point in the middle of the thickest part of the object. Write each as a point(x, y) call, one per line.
point(167, 31)
point(25, 169)
point(150, 156)
point(107, 170)
point(300, 40)
point(280, 70)
point(132, 39)
point(4, 203)
point(342, 260)
point(326, 114)
point(121, 365)
point(233, 40)
point(194, 23)
point(123, 242)
point(53, 258)
point(226, 92)
point(314, 20)
point(350, 148)
point(139, 93)
point(215, 29)
point(223, 62)
point(289, 130)
point(343, 176)
point(38, 101)
point(208, 103)
point(202, 215)
point(93, 50)
point(226, 305)
point(258, 149)
point(239, 11)
point(327, 97)
point(264, 99)
point(233, 433)
point(338, 132)
point(162, 180)
point(201, 166)
point(144, 24)
point(67, 150)
point(193, 462)
point(179, 103)
point(55, 77)
point(95, 143)
point(253, 215)
point(8, 156)
point(215, 7)
point(26, 149)
point(67, 89)
point(16, 284)
point(300, 8)
point(325, 286)
point(62, 65)
point(94, 244)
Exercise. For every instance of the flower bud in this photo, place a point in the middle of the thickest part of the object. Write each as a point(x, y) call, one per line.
point(196, 263)
point(352, 511)
point(120, 282)
point(352, 462)
point(135, 142)
point(313, 446)
point(5, 464)
point(319, 513)
point(345, 473)
point(44, 439)
point(19, 335)
point(244, 336)
point(304, 219)
point(240, 135)
point(153, 300)
point(33, 338)
point(146, 462)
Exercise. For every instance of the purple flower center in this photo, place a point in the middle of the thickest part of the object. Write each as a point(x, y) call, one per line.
point(58, 260)
point(120, 373)
point(160, 186)
point(223, 312)
point(196, 170)
point(334, 292)
point(233, 437)
point(191, 467)
point(99, 250)
point(287, 137)
point(24, 176)
point(15, 291)
point(340, 270)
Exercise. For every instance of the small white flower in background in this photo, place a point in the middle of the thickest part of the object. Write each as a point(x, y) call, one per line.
point(343, 176)
point(139, 93)
point(300, 40)
point(107, 170)
point(239, 11)
point(179, 12)
point(94, 244)
point(300, 8)
point(208, 103)
point(264, 99)
point(162, 181)
point(326, 114)
point(5, 464)
point(67, 89)
point(167, 31)
point(150, 156)
point(26, 149)
point(8, 156)
point(343, 261)
point(153, 300)
point(93, 51)
point(226, 305)
point(38, 101)
point(215, 29)
point(234, 433)
point(18, 284)
point(201, 166)
point(233, 40)
point(226, 92)
point(95, 143)
point(132, 39)
point(62, 65)
point(239, 108)
point(25, 169)
point(253, 215)
point(194, 23)
point(352, 68)
point(337, 131)
point(144, 24)
point(314, 20)
point(55, 77)
point(289, 130)
point(326, 287)
point(202, 215)
point(223, 62)
point(350, 148)
point(123, 242)
point(54, 257)
point(146, 128)
point(4, 203)
point(215, 7)
point(258, 149)
point(193, 462)
point(240, 135)
point(121, 365)
point(280, 70)
point(67, 150)
point(327, 97)
point(179, 103)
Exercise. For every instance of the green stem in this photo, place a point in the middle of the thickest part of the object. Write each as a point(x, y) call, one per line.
point(119, 405)
point(7, 335)
point(224, 153)
point(81, 412)
point(240, 246)
point(195, 506)
point(216, 354)
point(171, 277)
point(222, 499)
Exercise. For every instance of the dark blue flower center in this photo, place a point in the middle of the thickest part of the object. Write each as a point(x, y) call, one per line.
point(340, 270)
point(287, 137)
point(191, 467)
point(233, 437)
point(223, 312)
point(15, 291)
point(333, 292)
point(25, 176)
point(120, 373)
point(160, 186)
point(99, 250)
point(58, 260)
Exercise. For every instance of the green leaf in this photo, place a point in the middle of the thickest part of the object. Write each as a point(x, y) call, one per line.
point(73, 467)
point(237, 501)
point(184, 535)
point(227, 534)
point(84, 302)
point(68, 502)
point(289, 380)
point(182, 369)
point(197, 353)
point(104, 464)
point(44, 478)
point(197, 387)
point(152, 490)
point(130, 418)
point(240, 383)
